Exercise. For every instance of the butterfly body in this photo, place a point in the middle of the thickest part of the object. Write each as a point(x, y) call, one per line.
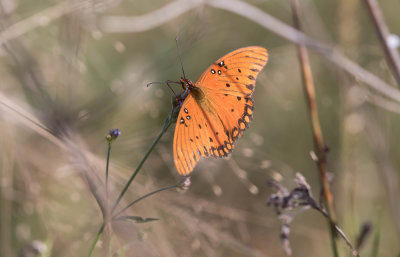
point(191, 88)
point(217, 108)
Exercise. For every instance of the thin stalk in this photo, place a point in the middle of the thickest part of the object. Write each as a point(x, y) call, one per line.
point(309, 90)
point(107, 165)
point(145, 196)
point(96, 240)
point(107, 213)
point(167, 123)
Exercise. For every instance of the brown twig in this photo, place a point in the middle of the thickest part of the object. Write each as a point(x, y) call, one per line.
point(392, 55)
point(309, 90)
point(263, 19)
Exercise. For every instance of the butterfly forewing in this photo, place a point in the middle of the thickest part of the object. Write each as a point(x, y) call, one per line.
point(236, 72)
point(210, 127)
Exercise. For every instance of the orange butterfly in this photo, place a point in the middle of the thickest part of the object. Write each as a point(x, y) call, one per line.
point(217, 108)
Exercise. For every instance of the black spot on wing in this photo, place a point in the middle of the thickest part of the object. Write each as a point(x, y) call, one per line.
point(250, 86)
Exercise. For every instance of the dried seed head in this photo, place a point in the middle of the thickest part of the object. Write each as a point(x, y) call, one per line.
point(287, 204)
point(113, 135)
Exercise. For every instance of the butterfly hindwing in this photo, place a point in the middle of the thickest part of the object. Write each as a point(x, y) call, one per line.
point(198, 133)
point(183, 149)
point(236, 112)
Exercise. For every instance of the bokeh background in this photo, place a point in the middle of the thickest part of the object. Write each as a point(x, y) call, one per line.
point(71, 70)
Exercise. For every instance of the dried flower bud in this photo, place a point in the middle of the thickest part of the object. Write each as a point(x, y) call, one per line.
point(113, 135)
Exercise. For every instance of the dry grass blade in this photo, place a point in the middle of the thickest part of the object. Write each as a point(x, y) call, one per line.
point(16, 111)
point(79, 157)
point(211, 232)
point(37, 20)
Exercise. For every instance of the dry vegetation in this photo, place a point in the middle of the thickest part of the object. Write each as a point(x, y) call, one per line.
point(72, 70)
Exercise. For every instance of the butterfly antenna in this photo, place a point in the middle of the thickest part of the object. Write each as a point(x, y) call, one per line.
point(151, 83)
point(180, 57)
point(165, 82)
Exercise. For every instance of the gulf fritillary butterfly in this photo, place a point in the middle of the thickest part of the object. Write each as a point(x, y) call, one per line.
point(217, 108)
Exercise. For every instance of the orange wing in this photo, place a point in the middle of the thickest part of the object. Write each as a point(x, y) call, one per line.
point(210, 127)
point(236, 72)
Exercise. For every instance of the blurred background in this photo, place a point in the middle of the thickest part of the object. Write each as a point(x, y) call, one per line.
point(72, 70)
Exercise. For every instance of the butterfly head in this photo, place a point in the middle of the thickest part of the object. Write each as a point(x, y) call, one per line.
point(187, 84)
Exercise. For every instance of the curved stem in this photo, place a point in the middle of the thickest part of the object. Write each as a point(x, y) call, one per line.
point(145, 196)
point(167, 123)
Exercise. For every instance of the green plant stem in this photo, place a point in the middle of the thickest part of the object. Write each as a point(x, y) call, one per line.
point(377, 234)
point(147, 195)
point(96, 240)
point(107, 215)
point(167, 123)
point(107, 164)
